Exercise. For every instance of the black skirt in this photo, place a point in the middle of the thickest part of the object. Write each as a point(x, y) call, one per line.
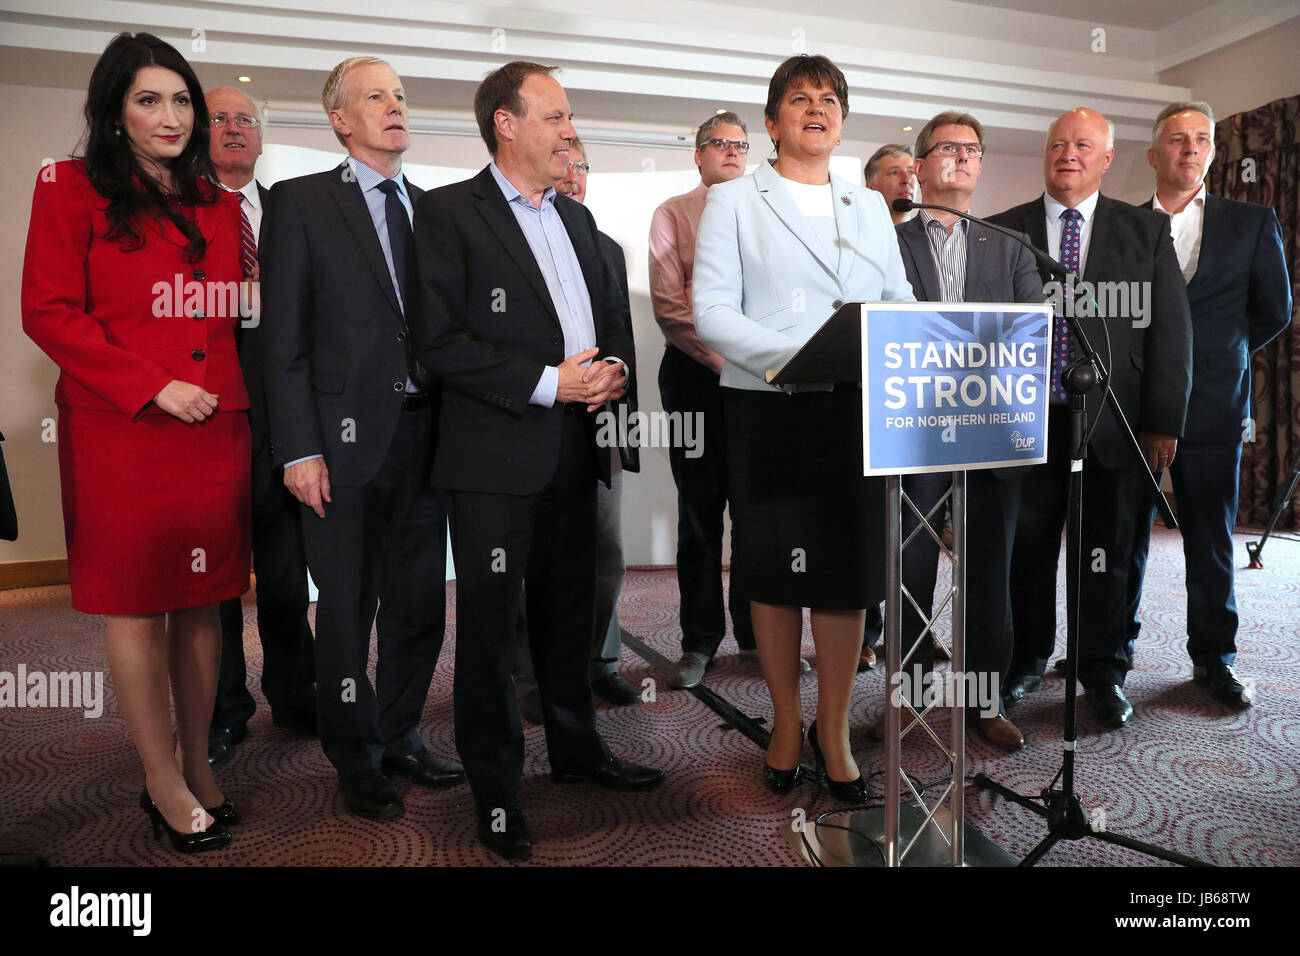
point(809, 529)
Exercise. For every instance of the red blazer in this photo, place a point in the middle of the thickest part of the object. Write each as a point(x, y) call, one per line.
point(121, 325)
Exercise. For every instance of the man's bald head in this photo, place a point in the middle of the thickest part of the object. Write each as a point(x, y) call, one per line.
point(1080, 147)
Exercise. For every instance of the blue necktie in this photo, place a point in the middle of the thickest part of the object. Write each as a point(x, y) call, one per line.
point(1061, 334)
point(399, 232)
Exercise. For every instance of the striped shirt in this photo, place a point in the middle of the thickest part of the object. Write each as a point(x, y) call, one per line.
point(949, 251)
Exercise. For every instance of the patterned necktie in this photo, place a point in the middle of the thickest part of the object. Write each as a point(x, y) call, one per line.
point(247, 244)
point(399, 232)
point(1061, 334)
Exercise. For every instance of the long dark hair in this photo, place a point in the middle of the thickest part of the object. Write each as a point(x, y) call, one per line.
point(112, 166)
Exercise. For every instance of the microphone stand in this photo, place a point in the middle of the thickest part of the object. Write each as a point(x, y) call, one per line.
point(1066, 819)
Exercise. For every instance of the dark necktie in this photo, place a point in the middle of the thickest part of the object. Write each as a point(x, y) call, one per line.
point(1061, 335)
point(399, 232)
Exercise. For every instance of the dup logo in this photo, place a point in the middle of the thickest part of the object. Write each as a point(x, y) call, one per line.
point(1022, 442)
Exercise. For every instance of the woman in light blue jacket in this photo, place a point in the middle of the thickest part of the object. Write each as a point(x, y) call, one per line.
point(778, 252)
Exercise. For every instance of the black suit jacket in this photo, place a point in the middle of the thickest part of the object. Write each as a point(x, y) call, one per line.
point(613, 255)
point(482, 321)
point(998, 269)
point(1150, 359)
point(333, 341)
point(1240, 299)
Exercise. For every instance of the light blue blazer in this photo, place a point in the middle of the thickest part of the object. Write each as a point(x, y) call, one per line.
point(765, 281)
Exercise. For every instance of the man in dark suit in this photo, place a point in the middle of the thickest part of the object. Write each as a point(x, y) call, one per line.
point(949, 259)
point(1231, 256)
point(1124, 255)
point(353, 423)
point(607, 642)
point(288, 666)
point(513, 304)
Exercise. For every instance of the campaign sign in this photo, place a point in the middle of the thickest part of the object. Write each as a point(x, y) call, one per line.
point(952, 387)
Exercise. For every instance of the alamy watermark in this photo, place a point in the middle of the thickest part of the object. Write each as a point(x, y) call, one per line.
point(79, 690)
point(980, 690)
point(1105, 300)
point(651, 430)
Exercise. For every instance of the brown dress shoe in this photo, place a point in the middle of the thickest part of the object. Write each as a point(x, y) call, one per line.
point(868, 659)
point(1000, 732)
point(877, 729)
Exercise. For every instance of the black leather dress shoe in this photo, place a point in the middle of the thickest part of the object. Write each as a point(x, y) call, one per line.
point(611, 686)
point(221, 743)
point(1017, 686)
point(371, 795)
point(425, 769)
point(615, 774)
point(1109, 705)
point(503, 831)
point(1223, 684)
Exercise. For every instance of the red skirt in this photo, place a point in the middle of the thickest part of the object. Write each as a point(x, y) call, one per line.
point(155, 511)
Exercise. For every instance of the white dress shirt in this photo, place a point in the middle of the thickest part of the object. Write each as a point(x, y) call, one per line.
point(1186, 227)
point(1055, 226)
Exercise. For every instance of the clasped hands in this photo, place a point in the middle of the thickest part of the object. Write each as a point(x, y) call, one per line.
point(593, 386)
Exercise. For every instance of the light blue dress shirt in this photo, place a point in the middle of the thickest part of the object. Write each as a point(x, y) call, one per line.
point(553, 250)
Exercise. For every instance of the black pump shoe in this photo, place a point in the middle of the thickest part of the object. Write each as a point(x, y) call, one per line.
point(845, 791)
point(226, 814)
point(215, 837)
point(782, 781)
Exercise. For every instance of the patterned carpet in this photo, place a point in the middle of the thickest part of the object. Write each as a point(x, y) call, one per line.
point(1187, 773)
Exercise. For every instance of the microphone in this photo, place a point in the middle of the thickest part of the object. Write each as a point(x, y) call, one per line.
point(1044, 260)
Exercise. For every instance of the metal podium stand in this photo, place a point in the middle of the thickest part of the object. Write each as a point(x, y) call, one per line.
point(915, 833)
point(919, 833)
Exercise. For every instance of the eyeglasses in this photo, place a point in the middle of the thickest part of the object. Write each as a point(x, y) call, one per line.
point(579, 167)
point(725, 144)
point(241, 119)
point(946, 148)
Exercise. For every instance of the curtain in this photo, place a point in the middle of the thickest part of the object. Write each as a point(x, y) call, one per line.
point(1257, 159)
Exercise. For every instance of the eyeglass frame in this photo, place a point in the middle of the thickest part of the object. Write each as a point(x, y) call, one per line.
point(223, 119)
point(574, 167)
point(741, 145)
point(959, 149)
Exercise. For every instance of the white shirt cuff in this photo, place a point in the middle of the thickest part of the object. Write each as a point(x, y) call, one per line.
point(299, 461)
point(547, 386)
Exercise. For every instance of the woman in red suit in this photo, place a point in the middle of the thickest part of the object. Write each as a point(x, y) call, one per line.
point(131, 256)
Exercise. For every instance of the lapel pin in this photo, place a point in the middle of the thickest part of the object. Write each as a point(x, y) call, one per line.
point(846, 199)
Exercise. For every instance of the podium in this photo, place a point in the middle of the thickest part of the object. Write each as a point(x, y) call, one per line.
point(946, 387)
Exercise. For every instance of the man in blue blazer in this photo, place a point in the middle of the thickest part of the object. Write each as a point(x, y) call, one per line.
point(949, 259)
point(1240, 298)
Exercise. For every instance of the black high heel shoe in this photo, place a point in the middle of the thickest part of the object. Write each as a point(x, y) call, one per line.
point(783, 781)
point(845, 791)
point(215, 837)
point(227, 814)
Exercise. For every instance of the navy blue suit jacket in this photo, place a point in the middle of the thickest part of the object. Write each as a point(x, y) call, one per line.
point(1240, 299)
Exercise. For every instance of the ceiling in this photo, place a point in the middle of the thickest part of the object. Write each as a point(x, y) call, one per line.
point(630, 65)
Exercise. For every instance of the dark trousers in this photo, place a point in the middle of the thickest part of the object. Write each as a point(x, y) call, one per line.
point(1112, 501)
point(688, 387)
point(992, 505)
point(288, 664)
point(384, 544)
point(547, 542)
point(1205, 478)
